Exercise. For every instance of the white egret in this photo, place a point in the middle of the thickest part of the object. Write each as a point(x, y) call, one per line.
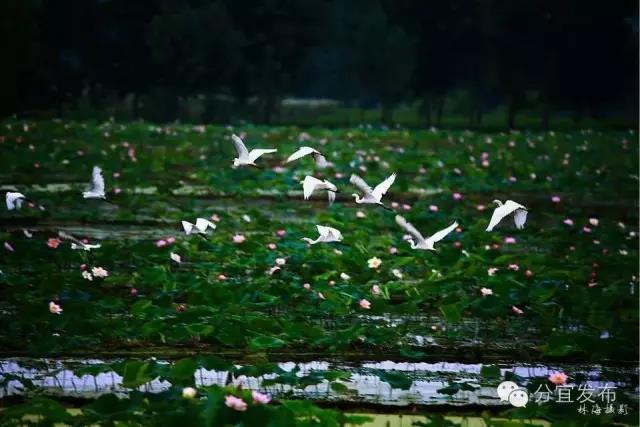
point(246, 157)
point(311, 184)
point(14, 200)
point(505, 209)
point(371, 196)
point(200, 227)
point(77, 243)
point(418, 241)
point(96, 190)
point(327, 235)
point(318, 157)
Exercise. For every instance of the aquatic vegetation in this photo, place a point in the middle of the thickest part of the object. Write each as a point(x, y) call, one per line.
point(563, 288)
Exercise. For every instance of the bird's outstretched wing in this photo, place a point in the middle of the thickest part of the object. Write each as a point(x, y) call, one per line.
point(436, 237)
point(519, 218)
point(498, 213)
point(323, 231)
point(239, 145)
point(383, 187)
point(187, 226)
point(332, 196)
point(301, 152)
point(308, 185)
point(97, 180)
point(202, 224)
point(66, 236)
point(14, 200)
point(359, 182)
point(334, 234)
point(257, 152)
point(321, 160)
point(409, 228)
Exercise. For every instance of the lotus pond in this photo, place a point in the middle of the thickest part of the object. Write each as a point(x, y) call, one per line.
point(250, 307)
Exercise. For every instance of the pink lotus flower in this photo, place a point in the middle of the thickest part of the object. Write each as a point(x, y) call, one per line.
point(406, 207)
point(53, 242)
point(307, 286)
point(117, 190)
point(281, 261)
point(457, 244)
point(528, 273)
point(215, 218)
point(586, 229)
point(235, 403)
point(375, 289)
point(338, 175)
point(160, 243)
point(54, 308)
point(481, 208)
point(222, 277)
point(321, 295)
point(516, 310)
point(492, 271)
point(514, 267)
point(509, 240)
point(568, 222)
point(134, 292)
point(83, 266)
point(360, 214)
point(8, 247)
point(281, 233)
point(572, 248)
point(486, 292)
point(555, 199)
point(171, 240)
point(558, 378)
point(116, 175)
point(512, 179)
point(433, 208)
point(272, 246)
point(395, 204)
point(238, 238)
point(457, 196)
point(393, 250)
point(485, 163)
point(259, 398)
point(365, 304)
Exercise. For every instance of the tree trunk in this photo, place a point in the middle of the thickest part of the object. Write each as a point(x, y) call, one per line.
point(544, 123)
point(511, 115)
point(426, 111)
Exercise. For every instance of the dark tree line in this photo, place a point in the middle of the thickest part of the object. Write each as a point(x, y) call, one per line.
point(577, 56)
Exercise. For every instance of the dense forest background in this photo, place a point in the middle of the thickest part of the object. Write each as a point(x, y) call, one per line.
point(229, 60)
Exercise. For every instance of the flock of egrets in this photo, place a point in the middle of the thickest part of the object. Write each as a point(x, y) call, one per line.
point(310, 184)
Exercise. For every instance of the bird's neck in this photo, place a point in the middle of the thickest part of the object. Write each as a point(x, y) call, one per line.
point(355, 196)
point(308, 240)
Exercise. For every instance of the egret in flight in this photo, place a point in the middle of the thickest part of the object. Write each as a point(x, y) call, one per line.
point(372, 196)
point(327, 235)
point(200, 227)
point(318, 157)
point(14, 201)
point(311, 184)
point(418, 241)
point(505, 209)
point(96, 189)
point(246, 157)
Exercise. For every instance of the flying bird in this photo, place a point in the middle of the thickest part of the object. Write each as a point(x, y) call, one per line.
point(318, 157)
point(505, 209)
point(327, 235)
point(246, 157)
point(14, 201)
point(77, 243)
point(311, 184)
point(372, 196)
point(418, 241)
point(96, 189)
point(200, 227)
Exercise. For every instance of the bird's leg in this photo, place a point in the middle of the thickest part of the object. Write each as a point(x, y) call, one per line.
point(110, 202)
point(385, 207)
